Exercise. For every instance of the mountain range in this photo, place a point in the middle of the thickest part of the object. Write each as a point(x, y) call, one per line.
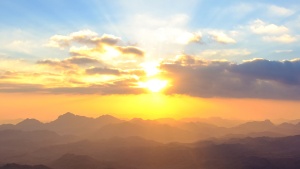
point(106, 142)
point(161, 130)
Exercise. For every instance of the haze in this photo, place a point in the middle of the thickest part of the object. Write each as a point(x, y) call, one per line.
point(205, 74)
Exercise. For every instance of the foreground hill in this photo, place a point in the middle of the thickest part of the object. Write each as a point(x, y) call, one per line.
point(18, 166)
point(138, 153)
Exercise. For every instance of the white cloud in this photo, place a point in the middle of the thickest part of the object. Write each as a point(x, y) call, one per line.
point(280, 11)
point(59, 41)
point(260, 27)
point(83, 36)
point(285, 38)
point(188, 37)
point(221, 37)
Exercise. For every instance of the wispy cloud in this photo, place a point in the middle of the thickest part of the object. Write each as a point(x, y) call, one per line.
point(221, 37)
point(280, 11)
point(285, 38)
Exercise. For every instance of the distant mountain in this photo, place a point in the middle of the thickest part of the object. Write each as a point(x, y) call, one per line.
point(245, 153)
point(146, 129)
point(254, 126)
point(110, 143)
point(72, 161)
point(14, 143)
point(29, 125)
point(67, 123)
point(163, 130)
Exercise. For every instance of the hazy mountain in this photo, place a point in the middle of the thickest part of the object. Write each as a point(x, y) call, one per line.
point(246, 153)
point(107, 142)
point(72, 161)
point(254, 126)
point(14, 143)
point(30, 124)
point(67, 123)
point(216, 121)
point(146, 129)
point(164, 130)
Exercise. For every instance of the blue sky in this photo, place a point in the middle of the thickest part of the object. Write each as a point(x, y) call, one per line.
point(85, 43)
point(35, 21)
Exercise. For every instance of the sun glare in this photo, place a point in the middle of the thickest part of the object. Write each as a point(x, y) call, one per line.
point(150, 68)
point(154, 85)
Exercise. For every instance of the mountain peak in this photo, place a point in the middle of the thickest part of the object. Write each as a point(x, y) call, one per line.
point(106, 116)
point(67, 115)
point(28, 120)
point(29, 124)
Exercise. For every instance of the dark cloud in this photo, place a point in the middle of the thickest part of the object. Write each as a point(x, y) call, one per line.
point(71, 63)
point(124, 86)
point(132, 50)
point(287, 72)
point(82, 60)
point(109, 39)
point(252, 79)
point(61, 64)
point(99, 70)
point(20, 88)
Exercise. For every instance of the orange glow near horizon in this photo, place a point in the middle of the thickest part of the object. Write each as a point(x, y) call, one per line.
point(147, 106)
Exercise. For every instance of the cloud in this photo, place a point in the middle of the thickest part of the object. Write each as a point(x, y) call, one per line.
point(89, 50)
point(257, 78)
point(131, 50)
point(221, 37)
point(285, 38)
point(19, 88)
point(83, 61)
point(86, 36)
point(260, 27)
point(280, 11)
point(59, 41)
point(283, 51)
point(285, 72)
point(188, 37)
point(99, 70)
point(123, 86)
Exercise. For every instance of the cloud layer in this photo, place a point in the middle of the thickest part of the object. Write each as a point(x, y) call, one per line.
point(258, 78)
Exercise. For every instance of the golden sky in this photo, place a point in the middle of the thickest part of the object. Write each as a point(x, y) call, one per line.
point(141, 60)
point(147, 106)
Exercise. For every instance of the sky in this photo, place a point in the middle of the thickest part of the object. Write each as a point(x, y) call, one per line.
point(151, 59)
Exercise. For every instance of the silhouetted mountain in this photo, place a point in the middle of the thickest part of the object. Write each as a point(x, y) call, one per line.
point(146, 144)
point(246, 153)
point(254, 126)
point(216, 121)
point(30, 124)
point(18, 166)
point(145, 128)
point(67, 123)
point(14, 143)
point(72, 161)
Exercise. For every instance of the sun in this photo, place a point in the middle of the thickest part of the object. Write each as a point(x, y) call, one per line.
point(154, 85)
point(151, 68)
